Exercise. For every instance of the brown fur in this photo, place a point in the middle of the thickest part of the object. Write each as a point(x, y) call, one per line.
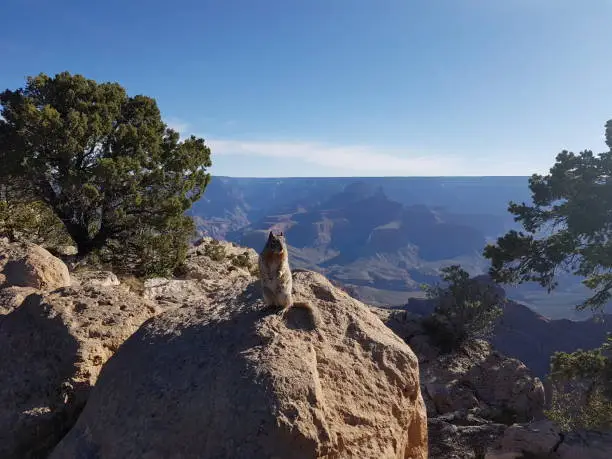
point(271, 257)
point(276, 278)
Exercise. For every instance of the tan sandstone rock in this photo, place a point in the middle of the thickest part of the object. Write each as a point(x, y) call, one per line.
point(474, 377)
point(12, 297)
point(97, 278)
point(52, 348)
point(210, 266)
point(230, 378)
point(176, 290)
point(29, 265)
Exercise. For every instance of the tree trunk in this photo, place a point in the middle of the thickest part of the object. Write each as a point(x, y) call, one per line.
point(80, 236)
point(88, 244)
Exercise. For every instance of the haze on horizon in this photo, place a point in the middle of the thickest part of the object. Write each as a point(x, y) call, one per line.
point(343, 87)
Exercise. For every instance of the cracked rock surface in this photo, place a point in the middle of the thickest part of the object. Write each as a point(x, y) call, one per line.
point(228, 377)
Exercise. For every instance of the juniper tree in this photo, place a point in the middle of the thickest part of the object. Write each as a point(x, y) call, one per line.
point(103, 161)
point(567, 227)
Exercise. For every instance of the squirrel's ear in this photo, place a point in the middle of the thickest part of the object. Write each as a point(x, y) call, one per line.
point(281, 234)
point(270, 236)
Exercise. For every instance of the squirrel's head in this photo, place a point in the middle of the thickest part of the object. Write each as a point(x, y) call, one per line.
point(276, 242)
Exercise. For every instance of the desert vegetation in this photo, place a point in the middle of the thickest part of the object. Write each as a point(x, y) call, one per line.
point(464, 309)
point(102, 165)
point(567, 229)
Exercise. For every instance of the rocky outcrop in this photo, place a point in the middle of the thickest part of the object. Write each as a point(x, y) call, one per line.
point(29, 265)
point(471, 395)
point(52, 347)
point(474, 377)
point(477, 374)
point(228, 377)
point(461, 435)
point(545, 439)
point(210, 266)
point(217, 374)
point(525, 335)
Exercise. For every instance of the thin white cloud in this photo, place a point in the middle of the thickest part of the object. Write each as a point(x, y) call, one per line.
point(368, 160)
point(347, 160)
point(358, 159)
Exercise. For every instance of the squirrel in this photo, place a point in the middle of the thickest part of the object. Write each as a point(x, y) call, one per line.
point(276, 280)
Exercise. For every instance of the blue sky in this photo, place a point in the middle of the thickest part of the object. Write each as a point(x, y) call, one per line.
point(342, 87)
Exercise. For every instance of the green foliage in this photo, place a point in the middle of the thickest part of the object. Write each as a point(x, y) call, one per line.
point(107, 166)
point(465, 309)
point(150, 252)
point(567, 227)
point(582, 388)
point(22, 219)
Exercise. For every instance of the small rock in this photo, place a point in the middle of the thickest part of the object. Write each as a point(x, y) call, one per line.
point(29, 265)
point(66, 250)
point(97, 278)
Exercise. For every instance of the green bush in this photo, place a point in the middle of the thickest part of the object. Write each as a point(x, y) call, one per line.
point(147, 252)
point(582, 389)
point(31, 222)
point(464, 309)
point(107, 166)
point(565, 230)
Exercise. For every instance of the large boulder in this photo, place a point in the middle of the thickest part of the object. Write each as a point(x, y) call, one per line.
point(232, 378)
point(52, 348)
point(29, 265)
